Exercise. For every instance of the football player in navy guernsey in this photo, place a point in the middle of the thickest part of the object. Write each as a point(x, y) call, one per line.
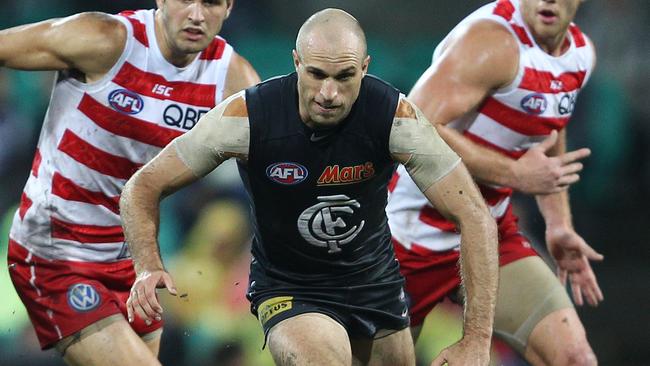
point(316, 149)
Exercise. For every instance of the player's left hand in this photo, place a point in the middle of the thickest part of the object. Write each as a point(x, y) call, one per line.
point(467, 351)
point(572, 255)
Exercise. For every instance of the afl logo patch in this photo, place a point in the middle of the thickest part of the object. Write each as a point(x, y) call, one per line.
point(83, 297)
point(287, 173)
point(534, 103)
point(125, 101)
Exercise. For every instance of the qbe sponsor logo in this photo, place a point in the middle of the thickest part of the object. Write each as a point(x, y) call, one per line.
point(83, 297)
point(182, 116)
point(534, 103)
point(125, 101)
point(287, 173)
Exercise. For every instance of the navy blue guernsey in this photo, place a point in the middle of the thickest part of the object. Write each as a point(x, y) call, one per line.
point(319, 196)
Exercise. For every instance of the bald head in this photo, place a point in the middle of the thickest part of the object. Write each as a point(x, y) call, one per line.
point(331, 31)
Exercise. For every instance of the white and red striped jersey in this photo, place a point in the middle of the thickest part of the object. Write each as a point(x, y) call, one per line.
point(96, 135)
point(510, 121)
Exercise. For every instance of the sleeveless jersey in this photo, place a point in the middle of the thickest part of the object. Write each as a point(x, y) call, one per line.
point(509, 121)
point(96, 135)
point(319, 197)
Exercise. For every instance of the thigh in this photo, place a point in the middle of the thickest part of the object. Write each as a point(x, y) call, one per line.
point(309, 339)
point(113, 344)
point(395, 349)
point(528, 293)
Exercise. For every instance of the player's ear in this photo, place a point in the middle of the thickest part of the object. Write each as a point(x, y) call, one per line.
point(364, 66)
point(296, 59)
point(229, 4)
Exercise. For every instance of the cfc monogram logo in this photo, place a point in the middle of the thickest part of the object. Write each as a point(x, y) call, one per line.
point(318, 224)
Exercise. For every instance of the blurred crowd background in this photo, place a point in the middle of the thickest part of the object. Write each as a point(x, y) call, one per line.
point(205, 228)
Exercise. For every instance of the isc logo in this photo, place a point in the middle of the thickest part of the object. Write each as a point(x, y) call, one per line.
point(287, 173)
point(534, 103)
point(125, 101)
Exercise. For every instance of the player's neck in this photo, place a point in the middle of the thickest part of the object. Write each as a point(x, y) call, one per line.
point(555, 45)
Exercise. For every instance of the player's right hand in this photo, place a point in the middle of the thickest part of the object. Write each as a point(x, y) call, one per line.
point(143, 300)
point(538, 173)
point(467, 351)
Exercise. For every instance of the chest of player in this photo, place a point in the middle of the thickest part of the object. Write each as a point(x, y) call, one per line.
point(304, 165)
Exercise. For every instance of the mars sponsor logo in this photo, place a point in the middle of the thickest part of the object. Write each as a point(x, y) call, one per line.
point(333, 174)
point(534, 103)
point(273, 306)
point(125, 101)
point(287, 173)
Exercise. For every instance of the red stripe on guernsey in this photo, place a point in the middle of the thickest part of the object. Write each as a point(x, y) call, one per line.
point(214, 50)
point(25, 204)
point(36, 163)
point(432, 217)
point(494, 195)
point(96, 159)
point(504, 9)
point(522, 35)
point(156, 86)
point(139, 29)
point(68, 190)
point(393, 181)
point(540, 81)
point(480, 141)
point(86, 233)
point(125, 125)
point(578, 37)
point(522, 122)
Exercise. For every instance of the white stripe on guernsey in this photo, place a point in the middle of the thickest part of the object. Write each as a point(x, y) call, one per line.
point(573, 60)
point(67, 250)
point(32, 271)
point(501, 136)
point(94, 180)
point(84, 213)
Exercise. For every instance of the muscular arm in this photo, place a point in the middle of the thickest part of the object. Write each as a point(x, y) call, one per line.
point(241, 75)
point(221, 134)
point(447, 184)
point(476, 60)
point(88, 42)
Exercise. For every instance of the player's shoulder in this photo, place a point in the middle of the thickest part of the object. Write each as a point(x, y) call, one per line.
point(405, 109)
point(104, 29)
point(235, 105)
point(486, 33)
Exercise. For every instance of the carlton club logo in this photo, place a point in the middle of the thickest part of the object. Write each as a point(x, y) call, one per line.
point(335, 175)
point(534, 103)
point(125, 101)
point(287, 173)
point(83, 297)
point(323, 224)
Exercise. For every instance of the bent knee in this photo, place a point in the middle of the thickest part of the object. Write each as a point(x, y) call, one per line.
point(578, 356)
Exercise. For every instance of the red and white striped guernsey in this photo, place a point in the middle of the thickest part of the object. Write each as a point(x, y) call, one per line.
point(96, 135)
point(510, 121)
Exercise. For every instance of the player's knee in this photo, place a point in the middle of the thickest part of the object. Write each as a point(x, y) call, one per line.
point(581, 355)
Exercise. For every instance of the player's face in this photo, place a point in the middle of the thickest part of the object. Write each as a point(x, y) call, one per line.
point(190, 25)
point(329, 84)
point(549, 18)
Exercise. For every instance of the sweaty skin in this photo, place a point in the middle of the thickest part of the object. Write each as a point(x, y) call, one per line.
point(86, 46)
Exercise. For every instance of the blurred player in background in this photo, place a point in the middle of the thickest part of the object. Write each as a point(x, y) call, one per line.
point(316, 149)
point(126, 85)
point(501, 89)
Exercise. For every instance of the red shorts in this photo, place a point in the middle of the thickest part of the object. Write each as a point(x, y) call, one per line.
point(432, 276)
point(63, 297)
